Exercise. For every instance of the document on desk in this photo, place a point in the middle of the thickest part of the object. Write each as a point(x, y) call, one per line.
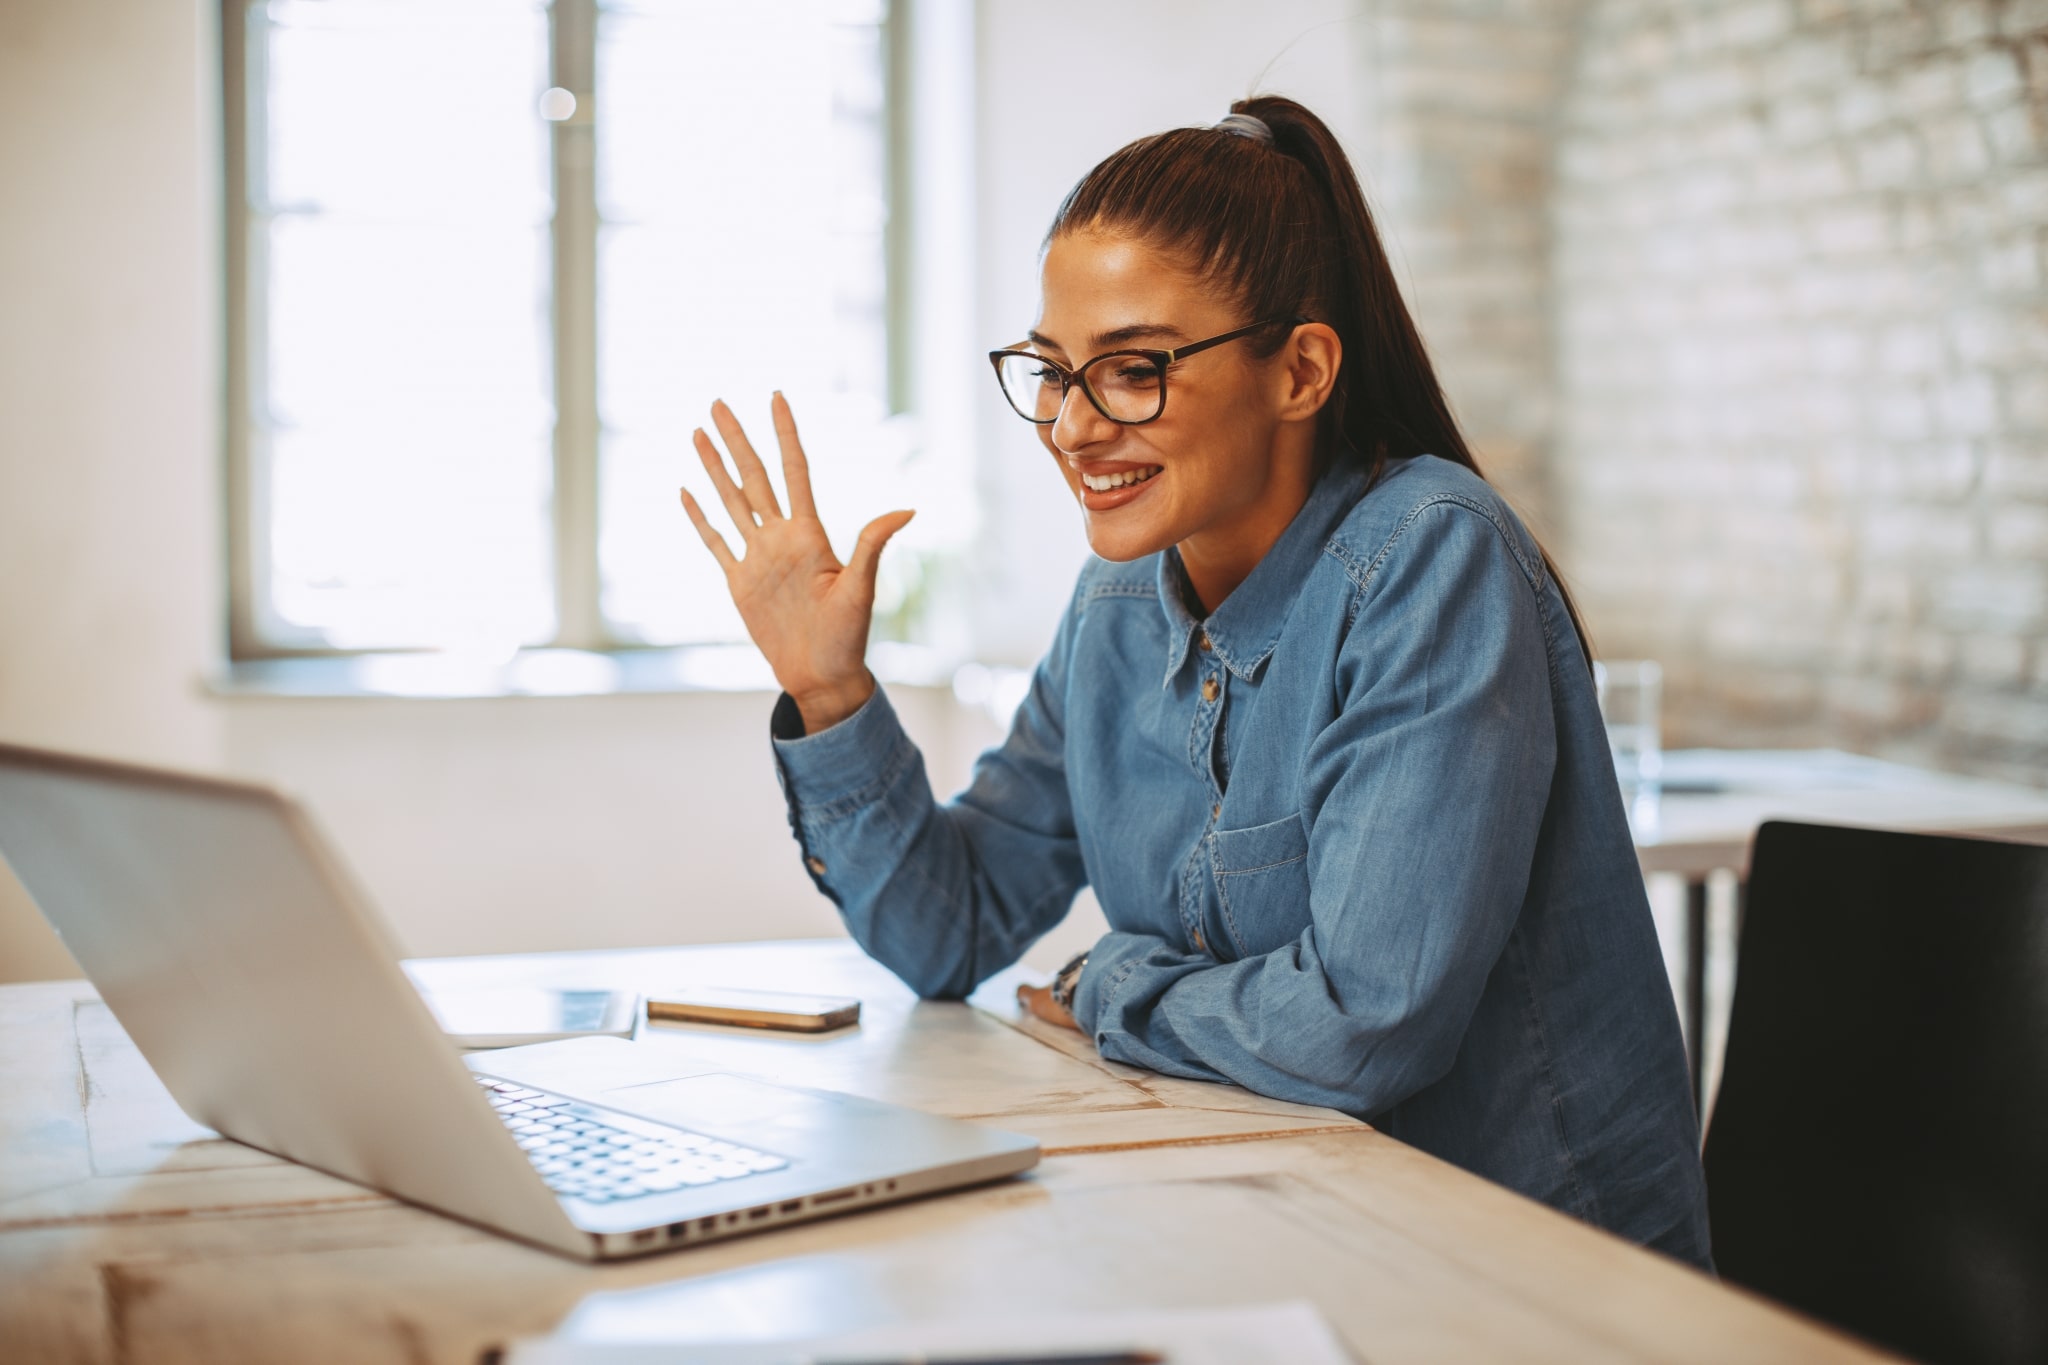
point(1292, 1333)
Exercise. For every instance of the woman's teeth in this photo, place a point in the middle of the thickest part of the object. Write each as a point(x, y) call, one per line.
point(1102, 483)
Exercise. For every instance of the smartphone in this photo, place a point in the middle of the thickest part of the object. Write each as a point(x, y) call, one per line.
point(754, 1009)
point(513, 1015)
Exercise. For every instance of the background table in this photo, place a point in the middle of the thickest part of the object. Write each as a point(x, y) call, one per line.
point(1712, 804)
point(127, 1233)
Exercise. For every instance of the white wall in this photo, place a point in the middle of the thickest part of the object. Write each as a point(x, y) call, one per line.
point(477, 825)
point(109, 492)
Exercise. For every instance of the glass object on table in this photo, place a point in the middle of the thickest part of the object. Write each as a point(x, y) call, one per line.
point(1631, 696)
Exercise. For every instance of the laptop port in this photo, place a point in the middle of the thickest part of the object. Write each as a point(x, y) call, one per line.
point(707, 1224)
point(644, 1236)
point(676, 1230)
point(837, 1196)
point(792, 1206)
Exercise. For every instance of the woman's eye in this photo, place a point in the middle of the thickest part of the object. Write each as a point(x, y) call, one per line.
point(1137, 373)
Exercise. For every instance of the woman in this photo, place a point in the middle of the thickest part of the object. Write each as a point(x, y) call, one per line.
point(1317, 725)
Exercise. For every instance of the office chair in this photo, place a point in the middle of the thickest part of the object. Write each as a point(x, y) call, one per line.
point(1878, 1156)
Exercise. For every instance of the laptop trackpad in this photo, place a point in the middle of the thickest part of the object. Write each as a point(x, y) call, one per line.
point(730, 1103)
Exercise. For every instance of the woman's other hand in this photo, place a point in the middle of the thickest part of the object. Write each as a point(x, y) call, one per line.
point(1038, 1000)
point(807, 612)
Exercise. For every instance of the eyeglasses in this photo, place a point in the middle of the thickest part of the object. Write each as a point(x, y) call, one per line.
point(1127, 387)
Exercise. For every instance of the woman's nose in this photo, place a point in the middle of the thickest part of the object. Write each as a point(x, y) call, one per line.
point(1079, 425)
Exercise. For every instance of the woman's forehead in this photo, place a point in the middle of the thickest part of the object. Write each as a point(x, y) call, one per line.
point(1100, 289)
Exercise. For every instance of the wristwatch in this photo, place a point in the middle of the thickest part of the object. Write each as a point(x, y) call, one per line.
point(1063, 985)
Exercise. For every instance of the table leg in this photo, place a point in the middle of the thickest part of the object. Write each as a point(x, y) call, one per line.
point(1696, 986)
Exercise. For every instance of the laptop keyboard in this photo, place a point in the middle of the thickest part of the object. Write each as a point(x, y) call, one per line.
point(602, 1157)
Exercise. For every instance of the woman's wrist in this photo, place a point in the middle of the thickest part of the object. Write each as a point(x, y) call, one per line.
point(822, 708)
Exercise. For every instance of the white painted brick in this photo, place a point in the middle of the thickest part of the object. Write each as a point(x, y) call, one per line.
point(1999, 660)
point(1993, 78)
point(1860, 105)
point(2019, 531)
point(2025, 193)
point(1756, 23)
point(2026, 403)
point(2023, 18)
point(1966, 21)
point(1848, 229)
point(2014, 133)
point(2000, 598)
point(1967, 406)
point(1956, 147)
point(2014, 469)
point(1800, 438)
point(1887, 159)
point(1930, 87)
point(1797, 121)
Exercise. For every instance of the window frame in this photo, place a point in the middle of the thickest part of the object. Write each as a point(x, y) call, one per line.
point(254, 634)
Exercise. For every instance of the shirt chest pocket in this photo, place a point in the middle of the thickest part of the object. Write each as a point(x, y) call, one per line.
point(1261, 876)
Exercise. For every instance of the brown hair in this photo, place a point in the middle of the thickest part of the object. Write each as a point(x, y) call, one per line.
point(1284, 226)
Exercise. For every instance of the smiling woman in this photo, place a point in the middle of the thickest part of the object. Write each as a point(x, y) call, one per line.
point(1317, 725)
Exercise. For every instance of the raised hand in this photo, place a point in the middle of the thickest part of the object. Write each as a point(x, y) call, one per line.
point(808, 613)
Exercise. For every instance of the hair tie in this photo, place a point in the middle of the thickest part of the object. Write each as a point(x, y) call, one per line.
point(1245, 125)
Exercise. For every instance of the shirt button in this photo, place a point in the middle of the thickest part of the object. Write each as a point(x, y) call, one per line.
point(1202, 640)
point(1200, 946)
point(1210, 689)
point(816, 865)
point(1215, 811)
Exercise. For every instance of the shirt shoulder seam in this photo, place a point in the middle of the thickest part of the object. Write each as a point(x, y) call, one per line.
point(1364, 575)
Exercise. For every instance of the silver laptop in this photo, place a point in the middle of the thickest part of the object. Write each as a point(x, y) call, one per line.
point(225, 936)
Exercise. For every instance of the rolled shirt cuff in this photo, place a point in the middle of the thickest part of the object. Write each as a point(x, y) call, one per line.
point(843, 765)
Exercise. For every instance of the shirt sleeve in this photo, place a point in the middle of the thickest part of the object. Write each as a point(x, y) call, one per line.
point(945, 895)
point(1424, 796)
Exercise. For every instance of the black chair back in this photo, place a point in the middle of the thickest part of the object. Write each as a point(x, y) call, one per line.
point(1878, 1155)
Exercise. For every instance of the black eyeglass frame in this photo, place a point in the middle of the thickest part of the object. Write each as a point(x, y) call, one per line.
point(1160, 358)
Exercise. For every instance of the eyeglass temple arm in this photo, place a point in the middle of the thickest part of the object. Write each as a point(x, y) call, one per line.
point(1183, 351)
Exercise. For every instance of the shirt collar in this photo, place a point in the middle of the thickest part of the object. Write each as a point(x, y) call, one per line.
point(1244, 630)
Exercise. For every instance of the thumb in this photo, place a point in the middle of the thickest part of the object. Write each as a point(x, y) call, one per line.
point(867, 551)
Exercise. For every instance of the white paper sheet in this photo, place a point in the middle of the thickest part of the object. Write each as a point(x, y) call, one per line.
point(1292, 1333)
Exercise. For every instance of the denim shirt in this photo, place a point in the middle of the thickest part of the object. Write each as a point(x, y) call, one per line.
point(1357, 836)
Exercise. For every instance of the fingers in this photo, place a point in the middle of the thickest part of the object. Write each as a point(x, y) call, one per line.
point(736, 505)
point(712, 540)
point(867, 551)
point(1037, 1000)
point(796, 470)
point(754, 483)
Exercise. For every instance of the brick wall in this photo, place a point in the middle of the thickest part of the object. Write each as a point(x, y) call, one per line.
point(1464, 95)
point(1801, 367)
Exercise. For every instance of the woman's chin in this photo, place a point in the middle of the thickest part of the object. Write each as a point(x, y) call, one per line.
point(1122, 544)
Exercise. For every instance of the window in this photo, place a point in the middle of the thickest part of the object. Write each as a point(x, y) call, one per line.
point(490, 262)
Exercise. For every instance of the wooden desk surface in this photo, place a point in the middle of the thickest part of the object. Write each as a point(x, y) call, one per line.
point(127, 1233)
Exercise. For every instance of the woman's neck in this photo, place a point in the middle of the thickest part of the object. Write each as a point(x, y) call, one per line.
point(1218, 558)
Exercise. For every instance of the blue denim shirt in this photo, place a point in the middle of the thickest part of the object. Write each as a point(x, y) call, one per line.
point(1357, 836)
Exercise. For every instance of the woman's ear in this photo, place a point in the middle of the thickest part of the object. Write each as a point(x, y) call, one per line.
point(1311, 358)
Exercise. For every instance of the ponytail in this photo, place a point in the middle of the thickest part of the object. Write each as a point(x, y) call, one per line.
point(1283, 225)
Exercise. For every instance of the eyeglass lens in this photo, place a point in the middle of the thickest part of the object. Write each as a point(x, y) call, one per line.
point(1127, 388)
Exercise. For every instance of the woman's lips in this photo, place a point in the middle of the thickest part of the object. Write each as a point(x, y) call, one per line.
point(1104, 499)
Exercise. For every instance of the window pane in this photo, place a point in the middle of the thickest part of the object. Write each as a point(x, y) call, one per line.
point(740, 182)
point(399, 236)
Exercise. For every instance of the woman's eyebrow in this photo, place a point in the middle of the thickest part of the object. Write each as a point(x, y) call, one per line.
point(1138, 331)
point(1117, 336)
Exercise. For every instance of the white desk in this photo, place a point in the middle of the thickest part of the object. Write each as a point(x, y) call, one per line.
point(1719, 797)
point(1708, 819)
point(129, 1234)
